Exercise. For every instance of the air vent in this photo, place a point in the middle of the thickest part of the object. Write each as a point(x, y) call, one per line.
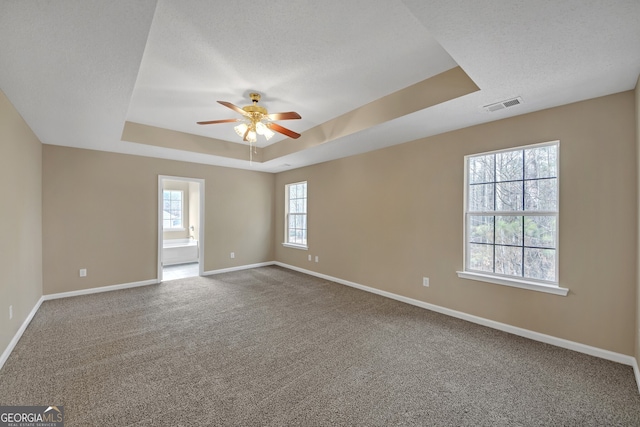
point(503, 104)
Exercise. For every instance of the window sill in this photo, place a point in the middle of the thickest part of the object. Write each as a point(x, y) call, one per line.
point(174, 229)
point(522, 284)
point(294, 246)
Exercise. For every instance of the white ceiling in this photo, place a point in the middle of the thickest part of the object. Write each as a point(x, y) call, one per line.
point(77, 70)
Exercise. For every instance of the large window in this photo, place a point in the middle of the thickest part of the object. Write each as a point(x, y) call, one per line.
point(296, 215)
point(511, 214)
point(172, 210)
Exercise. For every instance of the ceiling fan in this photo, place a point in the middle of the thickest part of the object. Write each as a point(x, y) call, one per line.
point(257, 121)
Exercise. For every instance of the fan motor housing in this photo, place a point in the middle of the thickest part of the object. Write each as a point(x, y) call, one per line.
point(255, 109)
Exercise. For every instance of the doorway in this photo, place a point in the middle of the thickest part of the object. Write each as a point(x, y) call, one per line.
point(180, 227)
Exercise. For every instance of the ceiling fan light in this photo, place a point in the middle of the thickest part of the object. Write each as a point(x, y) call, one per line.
point(268, 134)
point(262, 129)
point(256, 121)
point(241, 129)
point(251, 136)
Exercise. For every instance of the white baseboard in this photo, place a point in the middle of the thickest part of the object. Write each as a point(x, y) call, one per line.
point(636, 371)
point(18, 335)
point(238, 268)
point(100, 289)
point(34, 310)
point(536, 336)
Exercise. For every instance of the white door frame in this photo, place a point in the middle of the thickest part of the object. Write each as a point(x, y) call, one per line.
point(200, 225)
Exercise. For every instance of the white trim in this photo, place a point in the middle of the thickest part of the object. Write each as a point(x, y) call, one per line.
point(519, 147)
point(160, 230)
point(286, 243)
point(12, 344)
point(536, 336)
point(238, 268)
point(522, 284)
point(294, 246)
point(181, 228)
point(556, 213)
point(7, 352)
point(201, 233)
point(100, 289)
point(636, 372)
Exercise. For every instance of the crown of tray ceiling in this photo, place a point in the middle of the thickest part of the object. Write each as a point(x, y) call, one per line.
point(135, 77)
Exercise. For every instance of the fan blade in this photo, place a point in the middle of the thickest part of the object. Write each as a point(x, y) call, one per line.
point(276, 127)
point(233, 107)
point(213, 122)
point(245, 135)
point(284, 116)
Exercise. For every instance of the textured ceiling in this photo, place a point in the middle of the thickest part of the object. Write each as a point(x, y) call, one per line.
point(321, 59)
point(82, 71)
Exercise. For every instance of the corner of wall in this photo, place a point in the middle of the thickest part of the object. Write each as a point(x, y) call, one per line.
point(637, 117)
point(20, 270)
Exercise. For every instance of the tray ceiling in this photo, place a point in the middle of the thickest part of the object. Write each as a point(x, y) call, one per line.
point(134, 77)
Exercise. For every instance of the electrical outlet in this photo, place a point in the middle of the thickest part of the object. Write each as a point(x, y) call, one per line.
point(83, 272)
point(233, 255)
point(317, 259)
point(425, 281)
point(10, 312)
point(309, 257)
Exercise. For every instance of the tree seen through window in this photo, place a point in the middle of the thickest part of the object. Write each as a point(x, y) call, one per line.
point(512, 213)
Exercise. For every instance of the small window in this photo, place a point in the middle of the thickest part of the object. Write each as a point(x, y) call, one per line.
point(511, 214)
point(296, 214)
point(172, 210)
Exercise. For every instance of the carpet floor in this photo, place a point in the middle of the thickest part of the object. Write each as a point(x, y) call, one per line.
point(274, 347)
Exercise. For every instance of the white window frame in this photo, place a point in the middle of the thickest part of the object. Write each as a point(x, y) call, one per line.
point(182, 228)
point(288, 215)
point(507, 280)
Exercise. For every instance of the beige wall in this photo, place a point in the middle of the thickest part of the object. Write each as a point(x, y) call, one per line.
point(387, 218)
point(100, 213)
point(383, 219)
point(20, 220)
